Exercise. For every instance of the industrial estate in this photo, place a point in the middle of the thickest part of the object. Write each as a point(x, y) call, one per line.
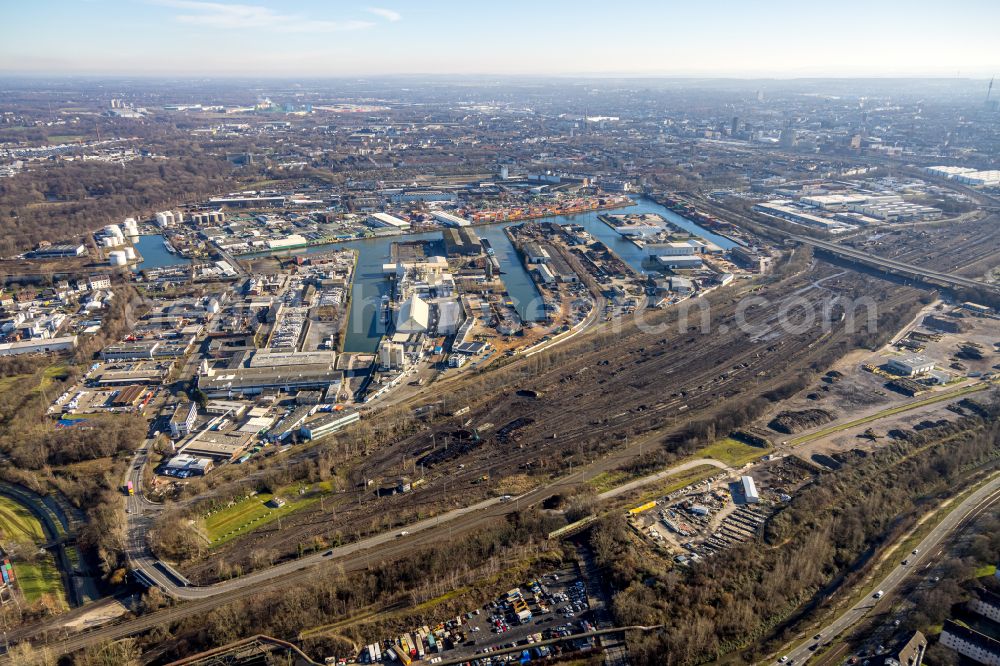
point(447, 372)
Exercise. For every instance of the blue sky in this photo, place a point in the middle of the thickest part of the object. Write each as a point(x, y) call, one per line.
point(516, 37)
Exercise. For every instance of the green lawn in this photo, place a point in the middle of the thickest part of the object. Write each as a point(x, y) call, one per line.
point(39, 578)
point(18, 524)
point(34, 578)
point(727, 450)
point(252, 513)
point(732, 452)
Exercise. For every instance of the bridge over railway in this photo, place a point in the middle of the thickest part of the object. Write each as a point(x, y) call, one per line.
point(894, 267)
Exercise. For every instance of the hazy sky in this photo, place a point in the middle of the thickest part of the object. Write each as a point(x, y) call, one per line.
point(630, 37)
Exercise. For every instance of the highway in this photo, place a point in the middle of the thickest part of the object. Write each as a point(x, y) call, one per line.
point(896, 267)
point(969, 509)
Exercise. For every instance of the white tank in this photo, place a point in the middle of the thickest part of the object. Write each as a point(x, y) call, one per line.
point(117, 258)
point(131, 228)
point(108, 241)
point(113, 230)
point(130, 253)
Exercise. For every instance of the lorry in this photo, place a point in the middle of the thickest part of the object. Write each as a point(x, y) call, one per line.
point(129, 488)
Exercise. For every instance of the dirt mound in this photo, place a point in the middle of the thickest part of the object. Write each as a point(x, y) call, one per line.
point(792, 422)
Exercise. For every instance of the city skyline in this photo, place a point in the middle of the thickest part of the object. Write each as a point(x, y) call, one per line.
point(311, 38)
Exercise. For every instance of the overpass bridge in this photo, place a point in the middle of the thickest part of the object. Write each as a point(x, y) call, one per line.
point(893, 267)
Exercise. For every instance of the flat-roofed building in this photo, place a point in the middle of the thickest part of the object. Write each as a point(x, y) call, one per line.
point(257, 371)
point(58, 252)
point(129, 396)
point(233, 408)
point(387, 220)
point(328, 423)
point(183, 466)
point(43, 346)
point(217, 444)
point(909, 366)
point(183, 419)
point(450, 220)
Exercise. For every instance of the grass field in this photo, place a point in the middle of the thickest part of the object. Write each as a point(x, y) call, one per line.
point(66, 138)
point(40, 578)
point(727, 450)
point(18, 524)
point(34, 578)
point(732, 452)
point(252, 513)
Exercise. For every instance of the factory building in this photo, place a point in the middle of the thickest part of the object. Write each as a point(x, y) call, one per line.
point(449, 316)
point(169, 218)
point(786, 210)
point(328, 423)
point(679, 262)
point(183, 465)
point(183, 419)
point(67, 343)
point(255, 371)
point(534, 253)
point(414, 316)
point(208, 217)
point(391, 356)
point(58, 251)
point(147, 349)
point(462, 242)
point(910, 366)
point(980, 178)
point(217, 445)
point(947, 171)
point(451, 220)
point(248, 202)
point(749, 488)
point(386, 220)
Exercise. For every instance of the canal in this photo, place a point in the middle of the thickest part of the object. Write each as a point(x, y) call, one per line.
point(365, 326)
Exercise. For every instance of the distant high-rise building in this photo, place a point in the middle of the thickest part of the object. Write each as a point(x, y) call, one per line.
point(787, 138)
point(735, 126)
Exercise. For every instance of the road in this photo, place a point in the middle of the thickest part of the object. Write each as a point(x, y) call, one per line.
point(893, 266)
point(352, 557)
point(976, 503)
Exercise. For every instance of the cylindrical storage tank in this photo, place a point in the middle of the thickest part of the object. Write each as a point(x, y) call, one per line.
point(117, 258)
point(130, 253)
point(131, 228)
point(108, 241)
point(113, 230)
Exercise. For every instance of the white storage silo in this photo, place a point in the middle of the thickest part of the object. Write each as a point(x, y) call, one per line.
point(130, 253)
point(117, 258)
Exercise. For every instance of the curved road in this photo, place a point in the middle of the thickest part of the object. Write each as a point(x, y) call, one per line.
point(977, 502)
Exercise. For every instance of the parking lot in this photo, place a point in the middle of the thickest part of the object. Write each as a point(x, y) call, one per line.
point(551, 606)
